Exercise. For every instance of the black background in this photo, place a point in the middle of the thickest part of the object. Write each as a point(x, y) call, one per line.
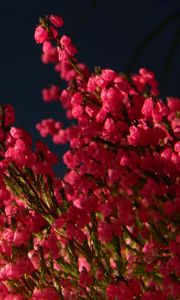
point(106, 33)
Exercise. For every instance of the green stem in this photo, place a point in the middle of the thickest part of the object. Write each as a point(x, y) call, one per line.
point(119, 259)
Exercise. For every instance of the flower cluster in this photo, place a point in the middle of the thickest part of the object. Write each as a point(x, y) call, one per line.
point(109, 228)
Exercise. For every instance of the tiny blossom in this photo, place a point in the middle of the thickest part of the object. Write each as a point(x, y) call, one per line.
point(40, 35)
point(9, 115)
point(56, 20)
point(67, 45)
point(83, 263)
point(51, 94)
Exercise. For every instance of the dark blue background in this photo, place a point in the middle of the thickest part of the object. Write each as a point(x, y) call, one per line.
point(106, 34)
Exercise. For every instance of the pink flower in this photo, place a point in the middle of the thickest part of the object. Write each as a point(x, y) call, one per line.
point(66, 44)
point(147, 108)
point(51, 94)
point(40, 35)
point(9, 115)
point(83, 263)
point(108, 75)
point(56, 20)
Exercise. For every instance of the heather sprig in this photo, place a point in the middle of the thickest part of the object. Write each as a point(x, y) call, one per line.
point(109, 228)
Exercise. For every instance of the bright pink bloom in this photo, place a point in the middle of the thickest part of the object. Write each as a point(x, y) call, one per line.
point(83, 263)
point(51, 94)
point(56, 20)
point(40, 35)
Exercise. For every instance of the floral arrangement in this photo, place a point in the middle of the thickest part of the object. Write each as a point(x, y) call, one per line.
point(109, 228)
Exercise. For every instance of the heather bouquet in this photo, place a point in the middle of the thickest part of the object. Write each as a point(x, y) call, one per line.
point(109, 228)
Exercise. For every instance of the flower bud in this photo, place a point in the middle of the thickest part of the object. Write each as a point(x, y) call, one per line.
point(56, 20)
point(40, 35)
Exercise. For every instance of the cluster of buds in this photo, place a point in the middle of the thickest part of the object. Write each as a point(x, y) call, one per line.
point(109, 229)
